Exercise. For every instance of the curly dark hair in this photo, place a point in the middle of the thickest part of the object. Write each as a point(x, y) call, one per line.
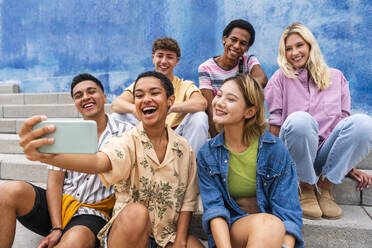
point(166, 43)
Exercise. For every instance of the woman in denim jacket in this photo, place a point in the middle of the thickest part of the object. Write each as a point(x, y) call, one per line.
point(261, 207)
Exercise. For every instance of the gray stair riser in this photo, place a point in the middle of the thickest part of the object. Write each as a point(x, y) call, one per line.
point(51, 110)
point(13, 170)
point(7, 126)
point(6, 88)
point(346, 193)
point(25, 111)
point(9, 144)
point(366, 163)
point(37, 98)
point(13, 125)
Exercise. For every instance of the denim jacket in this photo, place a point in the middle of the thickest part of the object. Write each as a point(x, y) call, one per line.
point(277, 186)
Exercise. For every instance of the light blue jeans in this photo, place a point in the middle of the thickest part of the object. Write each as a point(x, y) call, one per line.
point(347, 145)
point(194, 127)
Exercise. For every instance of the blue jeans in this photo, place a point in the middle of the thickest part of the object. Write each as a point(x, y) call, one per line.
point(194, 127)
point(347, 145)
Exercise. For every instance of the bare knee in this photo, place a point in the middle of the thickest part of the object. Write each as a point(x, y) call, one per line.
point(17, 195)
point(268, 222)
point(78, 237)
point(135, 216)
point(193, 242)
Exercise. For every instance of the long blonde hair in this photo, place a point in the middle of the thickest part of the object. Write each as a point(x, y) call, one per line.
point(253, 96)
point(315, 64)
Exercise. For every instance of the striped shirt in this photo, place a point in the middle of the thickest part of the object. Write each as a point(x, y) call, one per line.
point(88, 188)
point(211, 75)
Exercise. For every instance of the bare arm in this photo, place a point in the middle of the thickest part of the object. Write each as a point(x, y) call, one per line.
point(275, 130)
point(220, 232)
point(54, 196)
point(208, 94)
point(259, 75)
point(54, 199)
point(124, 104)
point(195, 103)
point(30, 141)
point(182, 229)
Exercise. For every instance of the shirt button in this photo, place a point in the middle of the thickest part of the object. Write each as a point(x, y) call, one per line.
point(78, 194)
point(224, 179)
point(265, 184)
point(268, 175)
point(225, 161)
point(87, 179)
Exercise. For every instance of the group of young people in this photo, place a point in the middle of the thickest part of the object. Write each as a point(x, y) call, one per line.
point(256, 183)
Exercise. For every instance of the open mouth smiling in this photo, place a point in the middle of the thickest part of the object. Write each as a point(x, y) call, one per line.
point(149, 110)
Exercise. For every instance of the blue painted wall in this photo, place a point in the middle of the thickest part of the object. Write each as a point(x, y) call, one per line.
point(45, 43)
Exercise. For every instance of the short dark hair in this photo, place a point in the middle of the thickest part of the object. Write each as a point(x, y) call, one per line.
point(240, 23)
point(166, 83)
point(166, 43)
point(85, 77)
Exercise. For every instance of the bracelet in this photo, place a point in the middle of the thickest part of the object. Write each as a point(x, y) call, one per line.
point(56, 228)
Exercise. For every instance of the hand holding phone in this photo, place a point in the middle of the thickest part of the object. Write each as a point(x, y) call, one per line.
point(70, 136)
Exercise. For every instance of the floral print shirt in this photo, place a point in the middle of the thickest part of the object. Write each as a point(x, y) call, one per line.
point(165, 188)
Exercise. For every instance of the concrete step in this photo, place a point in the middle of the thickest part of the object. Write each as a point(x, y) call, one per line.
point(354, 229)
point(9, 144)
point(50, 110)
point(13, 125)
point(8, 88)
point(346, 193)
point(17, 167)
point(36, 98)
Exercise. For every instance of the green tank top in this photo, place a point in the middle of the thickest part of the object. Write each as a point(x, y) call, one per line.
point(241, 177)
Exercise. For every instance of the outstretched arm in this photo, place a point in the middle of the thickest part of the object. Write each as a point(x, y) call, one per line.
point(30, 141)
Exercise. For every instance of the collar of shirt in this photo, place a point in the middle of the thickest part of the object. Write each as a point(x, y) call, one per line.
point(172, 145)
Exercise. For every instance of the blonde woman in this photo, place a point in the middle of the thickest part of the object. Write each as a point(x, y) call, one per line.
point(247, 179)
point(309, 105)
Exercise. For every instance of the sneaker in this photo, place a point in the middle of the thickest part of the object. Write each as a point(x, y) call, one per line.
point(328, 205)
point(309, 205)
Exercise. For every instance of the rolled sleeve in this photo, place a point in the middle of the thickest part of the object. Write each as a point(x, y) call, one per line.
point(212, 213)
point(190, 202)
point(293, 229)
point(121, 155)
point(190, 89)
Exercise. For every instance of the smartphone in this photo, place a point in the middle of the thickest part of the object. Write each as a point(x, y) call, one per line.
point(71, 136)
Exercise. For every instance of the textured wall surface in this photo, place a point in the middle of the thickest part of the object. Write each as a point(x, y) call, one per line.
point(45, 43)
